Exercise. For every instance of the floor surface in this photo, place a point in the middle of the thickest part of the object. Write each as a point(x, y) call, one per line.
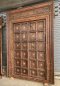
point(18, 82)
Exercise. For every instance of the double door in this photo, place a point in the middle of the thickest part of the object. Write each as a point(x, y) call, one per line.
point(29, 43)
point(29, 49)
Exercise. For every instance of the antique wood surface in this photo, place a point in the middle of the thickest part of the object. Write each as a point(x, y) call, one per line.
point(30, 43)
point(0, 45)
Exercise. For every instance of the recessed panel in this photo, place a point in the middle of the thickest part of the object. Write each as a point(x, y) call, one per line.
point(40, 64)
point(33, 73)
point(33, 26)
point(17, 28)
point(17, 70)
point(32, 46)
point(24, 54)
point(17, 62)
point(24, 46)
point(24, 27)
point(17, 54)
point(32, 55)
point(24, 37)
point(24, 72)
point(40, 46)
point(17, 37)
point(40, 26)
point(24, 63)
point(33, 64)
point(41, 56)
point(17, 46)
point(40, 36)
point(32, 36)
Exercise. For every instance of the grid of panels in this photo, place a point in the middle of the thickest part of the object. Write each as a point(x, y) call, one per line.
point(29, 49)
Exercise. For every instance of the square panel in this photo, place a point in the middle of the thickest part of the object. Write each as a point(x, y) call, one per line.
point(17, 28)
point(24, 55)
point(41, 46)
point(40, 26)
point(24, 36)
point(32, 55)
point(32, 36)
point(40, 36)
point(17, 71)
point(17, 37)
point(40, 64)
point(17, 45)
point(24, 46)
point(25, 26)
point(41, 73)
point(41, 56)
point(24, 71)
point(33, 26)
point(32, 46)
point(24, 63)
point(33, 64)
point(17, 62)
point(33, 72)
point(17, 54)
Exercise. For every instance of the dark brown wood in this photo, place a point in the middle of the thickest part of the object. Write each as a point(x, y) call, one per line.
point(29, 43)
point(0, 46)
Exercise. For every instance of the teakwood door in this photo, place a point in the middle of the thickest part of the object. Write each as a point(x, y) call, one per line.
point(29, 43)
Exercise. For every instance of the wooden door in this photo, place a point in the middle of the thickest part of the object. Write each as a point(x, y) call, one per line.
point(0, 45)
point(29, 42)
point(29, 50)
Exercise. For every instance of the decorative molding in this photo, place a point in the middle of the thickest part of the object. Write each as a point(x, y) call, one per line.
point(32, 13)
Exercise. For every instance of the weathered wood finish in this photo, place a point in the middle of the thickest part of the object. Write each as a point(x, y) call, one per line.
point(0, 45)
point(18, 41)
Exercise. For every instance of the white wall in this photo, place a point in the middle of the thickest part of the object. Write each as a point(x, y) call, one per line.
point(57, 35)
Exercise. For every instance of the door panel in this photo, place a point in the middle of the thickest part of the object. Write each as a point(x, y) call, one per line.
point(29, 44)
point(29, 66)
